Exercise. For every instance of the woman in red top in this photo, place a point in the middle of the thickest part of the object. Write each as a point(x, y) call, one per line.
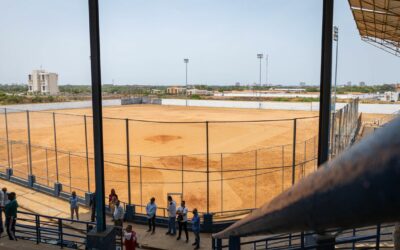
point(112, 199)
point(130, 240)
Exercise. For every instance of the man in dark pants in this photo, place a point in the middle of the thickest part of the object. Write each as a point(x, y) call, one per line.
point(151, 210)
point(93, 207)
point(11, 215)
point(182, 221)
point(196, 228)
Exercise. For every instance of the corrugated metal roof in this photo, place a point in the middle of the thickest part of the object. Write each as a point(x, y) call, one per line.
point(378, 22)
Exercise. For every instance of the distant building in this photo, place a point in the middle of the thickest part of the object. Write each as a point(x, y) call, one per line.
point(289, 90)
point(362, 84)
point(302, 84)
point(390, 96)
point(199, 92)
point(176, 91)
point(157, 91)
point(43, 82)
point(348, 84)
point(237, 84)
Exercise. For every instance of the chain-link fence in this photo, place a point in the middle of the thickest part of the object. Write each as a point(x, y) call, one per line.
point(223, 167)
point(345, 125)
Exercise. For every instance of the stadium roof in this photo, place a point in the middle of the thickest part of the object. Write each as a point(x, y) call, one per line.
point(378, 22)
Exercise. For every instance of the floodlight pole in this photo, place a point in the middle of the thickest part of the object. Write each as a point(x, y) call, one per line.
point(325, 83)
point(97, 114)
point(260, 56)
point(186, 61)
point(336, 39)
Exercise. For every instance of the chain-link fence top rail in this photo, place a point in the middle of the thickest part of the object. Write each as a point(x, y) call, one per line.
point(225, 167)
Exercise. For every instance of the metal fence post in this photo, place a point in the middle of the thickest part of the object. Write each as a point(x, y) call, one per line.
point(29, 142)
point(69, 170)
point(315, 144)
point(255, 179)
point(339, 146)
point(305, 158)
point(208, 169)
point(294, 152)
point(182, 177)
point(141, 183)
point(37, 222)
point(222, 184)
point(8, 146)
point(128, 160)
point(333, 133)
point(27, 157)
point(87, 154)
point(283, 168)
point(55, 144)
point(11, 154)
point(47, 168)
point(378, 237)
point(60, 233)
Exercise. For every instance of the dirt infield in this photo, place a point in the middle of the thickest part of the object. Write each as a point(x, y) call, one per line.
point(249, 161)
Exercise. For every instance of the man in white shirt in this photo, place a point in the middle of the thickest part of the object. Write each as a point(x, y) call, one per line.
point(6, 200)
point(171, 208)
point(151, 210)
point(118, 217)
point(182, 220)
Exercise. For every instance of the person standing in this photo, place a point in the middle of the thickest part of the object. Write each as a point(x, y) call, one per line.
point(182, 221)
point(92, 204)
point(196, 228)
point(11, 215)
point(151, 210)
point(112, 200)
point(73, 201)
point(118, 217)
point(1, 211)
point(171, 208)
point(6, 200)
point(130, 240)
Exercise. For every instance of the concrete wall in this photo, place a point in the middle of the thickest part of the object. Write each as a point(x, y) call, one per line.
point(59, 105)
point(140, 100)
point(306, 106)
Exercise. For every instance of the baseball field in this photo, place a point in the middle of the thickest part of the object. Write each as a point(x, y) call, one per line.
point(218, 159)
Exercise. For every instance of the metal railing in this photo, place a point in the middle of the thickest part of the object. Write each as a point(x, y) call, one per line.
point(373, 237)
point(65, 233)
point(334, 197)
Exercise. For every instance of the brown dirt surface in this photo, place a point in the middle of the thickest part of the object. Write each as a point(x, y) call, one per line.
point(255, 156)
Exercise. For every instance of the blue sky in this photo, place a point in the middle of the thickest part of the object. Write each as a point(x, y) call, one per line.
point(145, 41)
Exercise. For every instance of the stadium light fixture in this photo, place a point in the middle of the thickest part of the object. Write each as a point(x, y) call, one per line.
point(336, 39)
point(186, 61)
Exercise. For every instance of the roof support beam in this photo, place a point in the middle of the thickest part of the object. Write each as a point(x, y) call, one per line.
point(326, 82)
point(97, 114)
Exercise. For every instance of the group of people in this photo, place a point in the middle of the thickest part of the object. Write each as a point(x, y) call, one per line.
point(8, 205)
point(179, 215)
point(117, 211)
point(175, 214)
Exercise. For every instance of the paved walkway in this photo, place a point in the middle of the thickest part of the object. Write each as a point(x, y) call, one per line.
point(36, 202)
point(6, 244)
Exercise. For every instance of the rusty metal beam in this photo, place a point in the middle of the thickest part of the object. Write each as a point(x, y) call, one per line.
point(356, 189)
